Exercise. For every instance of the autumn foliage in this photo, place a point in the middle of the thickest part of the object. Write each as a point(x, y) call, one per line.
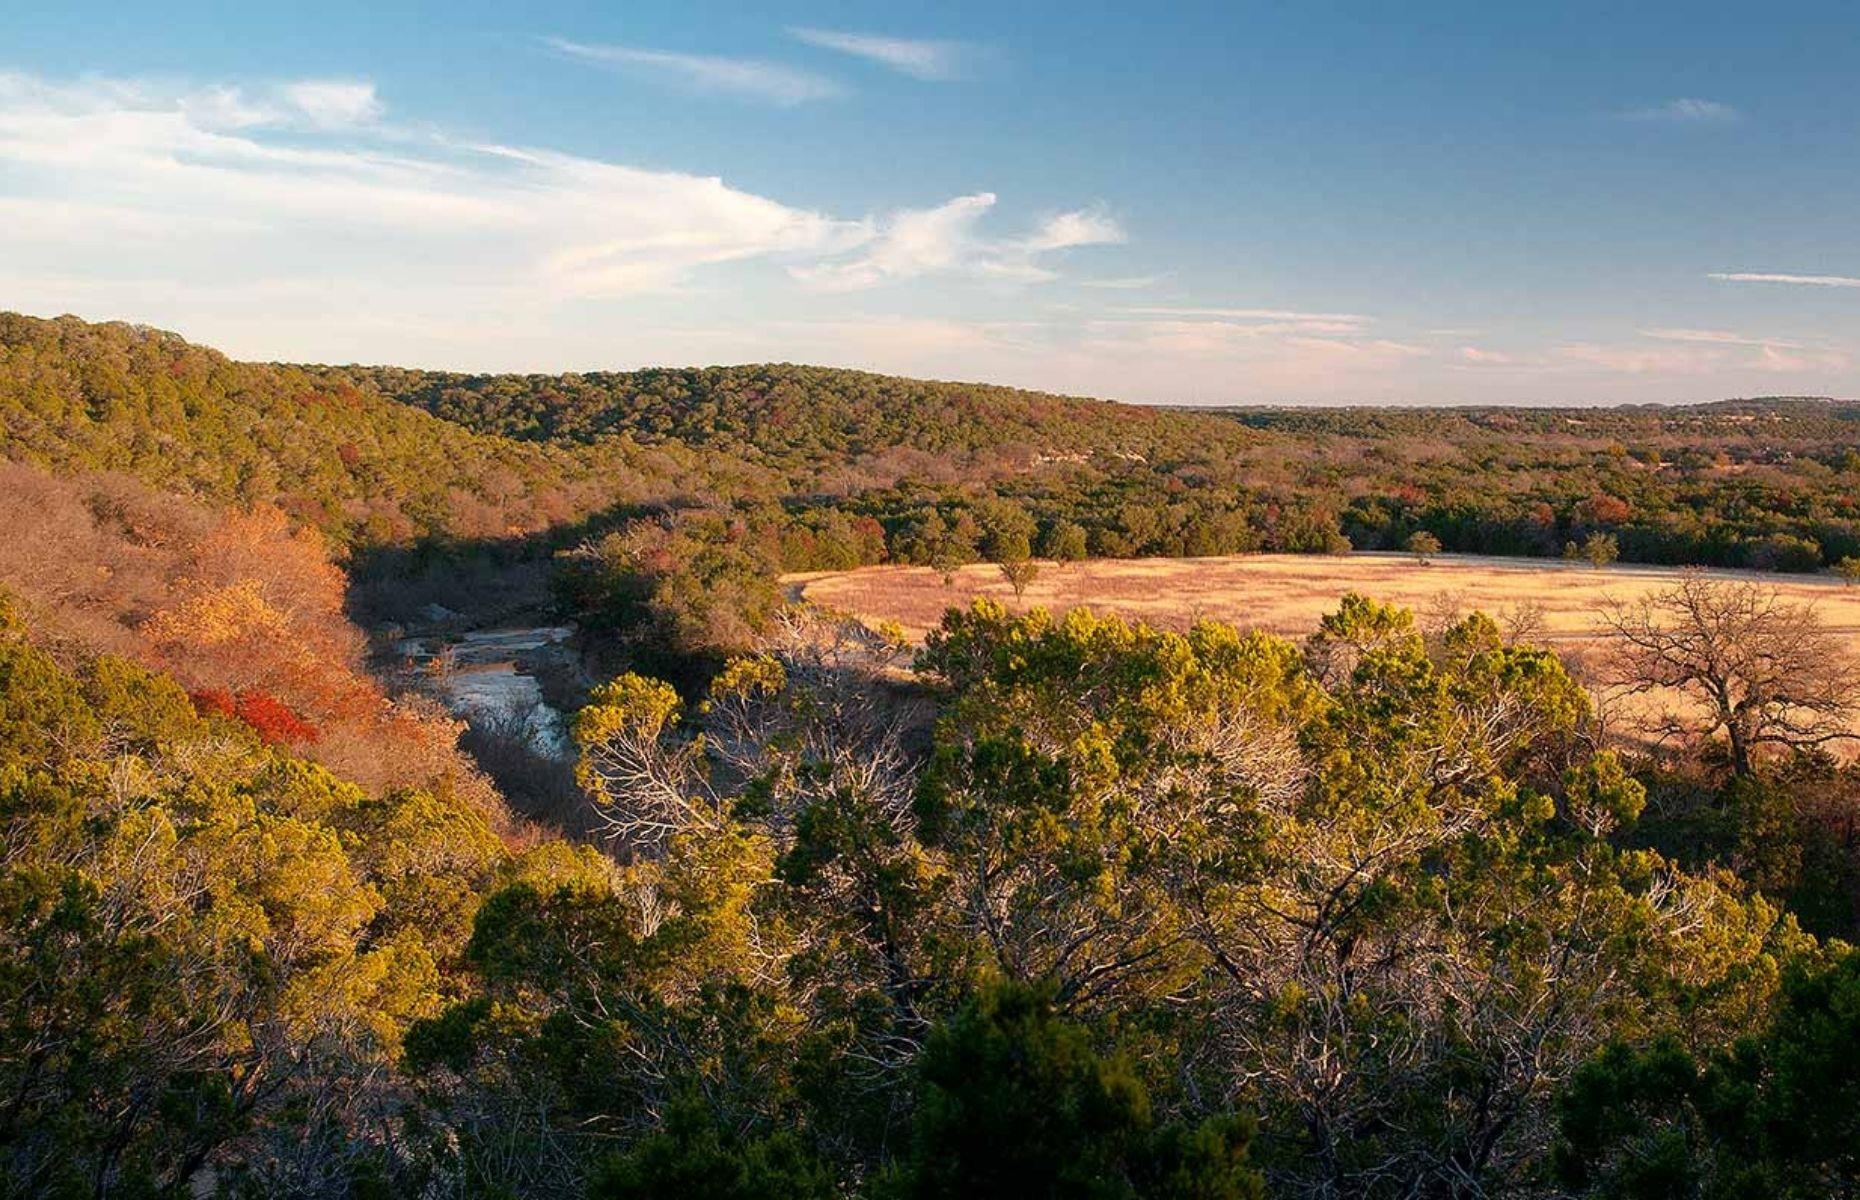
point(243, 608)
point(270, 717)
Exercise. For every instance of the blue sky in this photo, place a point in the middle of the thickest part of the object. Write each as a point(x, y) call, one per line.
point(1311, 203)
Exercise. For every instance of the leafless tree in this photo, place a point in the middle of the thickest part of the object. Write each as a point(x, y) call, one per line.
point(1763, 672)
point(836, 730)
point(810, 717)
point(1526, 623)
point(1442, 611)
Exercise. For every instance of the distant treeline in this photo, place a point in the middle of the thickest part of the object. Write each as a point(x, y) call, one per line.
point(830, 459)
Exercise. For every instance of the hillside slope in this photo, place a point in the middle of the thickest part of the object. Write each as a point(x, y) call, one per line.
point(799, 417)
point(330, 449)
point(382, 457)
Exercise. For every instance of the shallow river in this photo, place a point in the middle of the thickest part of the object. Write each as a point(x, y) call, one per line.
point(486, 683)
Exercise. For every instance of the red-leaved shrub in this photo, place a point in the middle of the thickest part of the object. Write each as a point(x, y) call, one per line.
point(272, 718)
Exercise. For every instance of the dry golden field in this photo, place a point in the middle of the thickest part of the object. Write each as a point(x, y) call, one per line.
point(1542, 601)
point(1287, 593)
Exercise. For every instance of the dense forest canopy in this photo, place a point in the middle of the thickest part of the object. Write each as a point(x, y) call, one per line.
point(381, 457)
point(777, 410)
point(1054, 905)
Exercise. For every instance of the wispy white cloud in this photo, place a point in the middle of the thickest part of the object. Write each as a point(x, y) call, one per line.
point(1773, 355)
point(1255, 321)
point(911, 242)
point(1641, 359)
point(1687, 110)
point(1833, 281)
point(1278, 349)
point(333, 102)
point(234, 187)
point(749, 77)
point(1708, 357)
point(918, 58)
point(322, 104)
point(1590, 358)
point(1275, 314)
point(1786, 360)
point(915, 242)
point(1281, 355)
point(1062, 231)
point(1676, 354)
point(1126, 283)
point(1712, 337)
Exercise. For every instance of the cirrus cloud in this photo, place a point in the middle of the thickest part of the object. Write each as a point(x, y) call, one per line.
point(295, 218)
point(1831, 281)
point(244, 193)
point(751, 77)
point(1670, 353)
point(1687, 110)
point(945, 239)
point(333, 102)
point(919, 58)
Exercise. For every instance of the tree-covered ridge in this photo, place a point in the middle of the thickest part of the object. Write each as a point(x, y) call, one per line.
point(1771, 483)
point(802, 417)
point(1771, 420)
point(330, 450)
point(805, 454)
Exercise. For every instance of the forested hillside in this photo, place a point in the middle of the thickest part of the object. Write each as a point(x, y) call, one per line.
point(803, 418)
point(212, 949)
point(246, 611)
point(949, 472)
point(1056, 906)
point(1156, 916)
point(330, 450)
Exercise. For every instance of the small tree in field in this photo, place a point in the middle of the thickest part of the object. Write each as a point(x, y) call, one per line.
point(1423, 545)
point(1019, 574)
point(1601, 549)
point(946, 563)
point(1849, 570)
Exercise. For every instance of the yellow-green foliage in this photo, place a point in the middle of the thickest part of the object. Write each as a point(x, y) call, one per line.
point(197, 933)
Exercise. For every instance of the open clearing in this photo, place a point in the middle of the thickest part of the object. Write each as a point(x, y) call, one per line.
point(1287, 593)
point(1546, 601)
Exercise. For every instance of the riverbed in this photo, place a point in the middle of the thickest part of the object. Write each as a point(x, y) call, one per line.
point(485, 676)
